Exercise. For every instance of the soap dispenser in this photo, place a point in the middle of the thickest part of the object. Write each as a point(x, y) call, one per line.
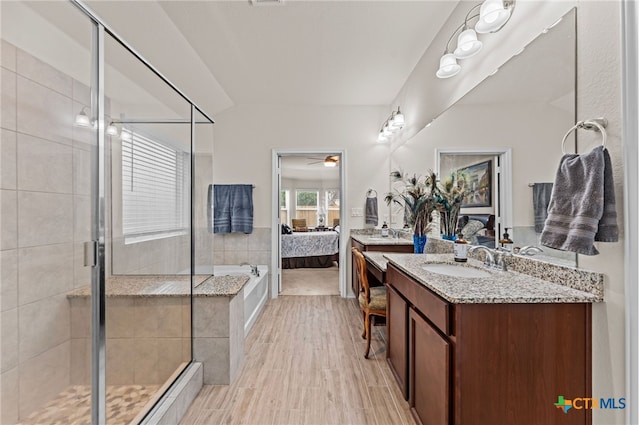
point(506, 241)
point(385, 230)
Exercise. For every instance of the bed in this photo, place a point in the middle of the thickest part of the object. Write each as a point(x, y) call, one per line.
point(309, 249)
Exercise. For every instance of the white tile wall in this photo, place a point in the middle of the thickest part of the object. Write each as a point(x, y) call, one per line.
point(8, 159)
point(45, 218)
point(43, 377)
point(8, 56)
point(43, 112)
point(44, 74)
point(44, 271)
point(9, 341)
point(9, 279)
point(8, 219)
point(43, 166)
point(8, 99)
point(9, 389)
point(43, 325)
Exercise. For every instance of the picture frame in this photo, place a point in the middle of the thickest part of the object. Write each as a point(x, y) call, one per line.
point(480, 184)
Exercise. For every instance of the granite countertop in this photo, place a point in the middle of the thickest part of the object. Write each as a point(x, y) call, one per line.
point(500, 287)
point(377, 258)
point(376, 239)
point(167, 286)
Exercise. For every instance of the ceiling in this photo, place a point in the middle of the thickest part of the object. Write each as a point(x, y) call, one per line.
point(224, 53)
point(308, 167)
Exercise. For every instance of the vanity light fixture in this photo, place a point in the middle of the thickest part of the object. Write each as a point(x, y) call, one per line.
point(493, 15)
point(112, 130)
point(82, 119)
point(393, 124)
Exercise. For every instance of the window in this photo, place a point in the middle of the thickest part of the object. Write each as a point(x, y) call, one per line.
point(307, 205)
point(332, 197)
point(154, 203)
point(284, 206)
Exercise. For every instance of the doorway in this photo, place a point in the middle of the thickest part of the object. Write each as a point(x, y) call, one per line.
point(307, 236)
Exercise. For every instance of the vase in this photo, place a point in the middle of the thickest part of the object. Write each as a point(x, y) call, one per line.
point(419, 242)
point(449, 237)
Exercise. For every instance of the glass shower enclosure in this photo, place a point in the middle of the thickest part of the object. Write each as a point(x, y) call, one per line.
point(103, 161)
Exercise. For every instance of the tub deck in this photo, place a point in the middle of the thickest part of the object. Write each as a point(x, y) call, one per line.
point(168, 286)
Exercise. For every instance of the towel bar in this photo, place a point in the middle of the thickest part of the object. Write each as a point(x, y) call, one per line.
point(596, 124)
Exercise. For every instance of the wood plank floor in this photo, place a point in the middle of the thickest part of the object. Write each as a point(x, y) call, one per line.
point(304, 364)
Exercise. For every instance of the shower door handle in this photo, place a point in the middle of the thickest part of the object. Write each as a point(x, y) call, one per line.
point(90, 253)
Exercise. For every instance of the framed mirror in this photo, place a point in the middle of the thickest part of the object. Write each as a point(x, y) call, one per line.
point(509, 127)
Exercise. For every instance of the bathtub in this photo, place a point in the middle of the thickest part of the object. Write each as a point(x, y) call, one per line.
point(256, 290)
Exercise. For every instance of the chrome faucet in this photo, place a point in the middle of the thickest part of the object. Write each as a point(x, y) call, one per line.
point(501, 258)
point(395, 233)
point(254, 269)
point(489, 259)
point(529, 250)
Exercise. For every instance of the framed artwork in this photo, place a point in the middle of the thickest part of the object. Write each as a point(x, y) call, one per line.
point(479, 178)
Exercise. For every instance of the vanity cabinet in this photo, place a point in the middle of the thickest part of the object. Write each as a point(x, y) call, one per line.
point(374, 275)
point(485, 363)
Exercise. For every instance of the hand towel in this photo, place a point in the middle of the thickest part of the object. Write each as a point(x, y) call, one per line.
point(232, 208)
point(578, 203)
point(371, 211)
point(541, 199)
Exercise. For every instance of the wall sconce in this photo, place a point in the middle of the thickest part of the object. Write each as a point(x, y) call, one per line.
point(391, 126)
point(493, 15)
point(112, 130)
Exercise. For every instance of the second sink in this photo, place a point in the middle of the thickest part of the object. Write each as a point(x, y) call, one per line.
point(455, 270)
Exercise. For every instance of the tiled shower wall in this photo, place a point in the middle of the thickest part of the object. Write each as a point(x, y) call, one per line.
point(44, 218)
point(236, 248)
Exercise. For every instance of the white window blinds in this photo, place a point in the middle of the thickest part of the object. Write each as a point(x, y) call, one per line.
point(153, 188)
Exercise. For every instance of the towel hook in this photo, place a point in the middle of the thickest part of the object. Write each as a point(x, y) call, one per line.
point(596, 124)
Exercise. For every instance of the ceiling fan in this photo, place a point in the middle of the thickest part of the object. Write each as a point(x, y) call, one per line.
point(329, 161)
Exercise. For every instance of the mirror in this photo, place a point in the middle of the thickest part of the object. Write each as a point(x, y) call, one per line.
point(509, 126)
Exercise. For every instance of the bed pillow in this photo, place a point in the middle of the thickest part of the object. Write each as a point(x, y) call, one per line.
point(470, 230)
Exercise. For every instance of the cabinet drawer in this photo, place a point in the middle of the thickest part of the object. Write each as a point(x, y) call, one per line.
point(429, 304)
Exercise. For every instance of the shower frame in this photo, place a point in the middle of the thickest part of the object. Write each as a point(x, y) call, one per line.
point(95, 252)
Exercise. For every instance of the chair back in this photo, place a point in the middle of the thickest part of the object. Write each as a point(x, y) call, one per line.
point(361, 266)
point(299, 224)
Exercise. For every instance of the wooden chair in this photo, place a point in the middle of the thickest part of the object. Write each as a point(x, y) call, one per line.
point(373, 301)
point(299, 224)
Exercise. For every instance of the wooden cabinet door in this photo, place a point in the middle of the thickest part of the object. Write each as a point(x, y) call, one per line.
point(397, 338)
point(429, 372)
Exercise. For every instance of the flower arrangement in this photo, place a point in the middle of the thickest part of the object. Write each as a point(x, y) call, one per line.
point(416, 195)
point(449, 195)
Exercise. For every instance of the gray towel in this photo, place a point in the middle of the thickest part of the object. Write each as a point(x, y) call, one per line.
point(232, 206)
point(541, 198)
point(582, 204)
point(371, 211)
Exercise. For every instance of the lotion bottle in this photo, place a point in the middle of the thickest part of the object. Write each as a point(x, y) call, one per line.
point(460, 247)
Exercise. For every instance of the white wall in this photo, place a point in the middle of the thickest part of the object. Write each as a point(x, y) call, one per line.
point(246, 134)
point(598, 94)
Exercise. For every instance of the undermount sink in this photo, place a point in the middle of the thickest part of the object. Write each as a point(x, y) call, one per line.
point(455, 270)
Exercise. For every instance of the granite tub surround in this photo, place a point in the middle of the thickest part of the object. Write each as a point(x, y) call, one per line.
point(500, 287)
point(168, 286)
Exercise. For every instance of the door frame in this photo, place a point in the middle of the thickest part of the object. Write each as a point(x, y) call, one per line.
point(276, 262)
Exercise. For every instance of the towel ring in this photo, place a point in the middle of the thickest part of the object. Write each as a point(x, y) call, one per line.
point(597, 124)
point(370, 191)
